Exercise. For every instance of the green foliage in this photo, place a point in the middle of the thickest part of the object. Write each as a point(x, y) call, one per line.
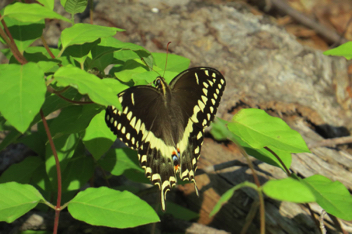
point(23, 88)
point(74, 84)
point(111, 208)
point(16, 200)
point(256, 132)
point(344, 50)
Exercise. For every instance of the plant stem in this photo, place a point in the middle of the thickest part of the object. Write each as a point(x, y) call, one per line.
point(58, 170)
point(47, 47)
point(262, 212)
point(10, 42)
point(278, 158)
point(260, 193)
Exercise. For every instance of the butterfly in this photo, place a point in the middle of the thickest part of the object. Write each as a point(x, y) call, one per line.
point(165, 124)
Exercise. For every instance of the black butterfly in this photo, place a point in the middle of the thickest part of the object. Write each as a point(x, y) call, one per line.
point(165, 124)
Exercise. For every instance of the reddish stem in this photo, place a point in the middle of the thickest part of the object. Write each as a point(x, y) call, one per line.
point(58, 170)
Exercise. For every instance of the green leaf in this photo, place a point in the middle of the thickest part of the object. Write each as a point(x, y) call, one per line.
point(132, 69)
point(221, 132)
point(174, 62)
point(65, 148)
point(31, 12)
point(87, 83)
point(344, 50)
point(288, 189)
point(73, 119)
point(98, 138)
point(258, 129)
point(116, 161)
point(75, 6)
point(178, 212)
point(228, 194)
point(83, 33)
point(21, 172)
point(78, 171)
point(35, 141)
point(106, 207)
point(16, 200)
point(24, 33)
point(110, 48)
point(41, 181)
point(332, 196)
point(22, 91)
point(80, 52)
point(116, 86)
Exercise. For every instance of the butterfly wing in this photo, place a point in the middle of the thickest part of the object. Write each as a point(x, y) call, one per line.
point(144, 125)
point(198, 91)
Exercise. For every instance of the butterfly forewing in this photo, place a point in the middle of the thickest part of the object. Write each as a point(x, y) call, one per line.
point(166, 121)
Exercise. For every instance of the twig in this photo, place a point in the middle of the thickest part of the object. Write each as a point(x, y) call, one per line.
point(328, 34)
point(321, 222)
point(331, 142)
point(249, 219)
point(312, 215)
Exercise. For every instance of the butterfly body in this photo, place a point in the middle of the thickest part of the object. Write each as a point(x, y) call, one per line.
point(165, 123)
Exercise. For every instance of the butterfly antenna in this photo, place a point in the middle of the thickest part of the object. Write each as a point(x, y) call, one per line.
point(167, 53)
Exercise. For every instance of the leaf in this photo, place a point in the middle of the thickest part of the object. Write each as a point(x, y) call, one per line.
point(81, 33)
point(116, 161)
point(73, 119)
point(78, 171)
point(75, 6)
point(106, 207)
point(65, 148)
point(116, 86)
point(132, 68)
point(258, 129)
point(87, 83)
point(35, 141)
point(288, 189)
point(110, 48)
point(22, 91)
point(22, 172)
point(332, 196)
point(16, 200)
point(98, 138)
point(228, 194)
point(24, 33)
point(178, 212)
point(31, 12)
point(220, 131)
point(174, 62)
point(344, 50)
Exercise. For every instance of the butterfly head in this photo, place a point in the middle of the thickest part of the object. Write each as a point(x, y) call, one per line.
point(158, 82)
point(161, 85)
